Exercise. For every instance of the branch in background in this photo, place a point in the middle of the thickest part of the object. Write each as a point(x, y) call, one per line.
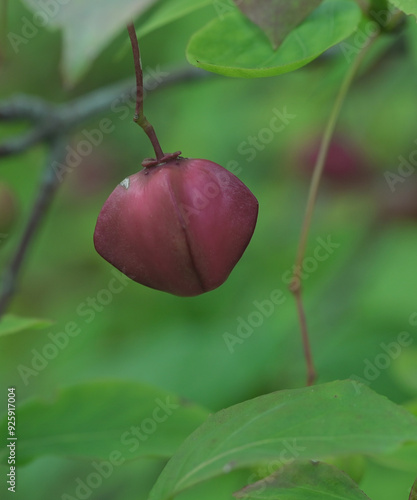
point(50, 120)
point(3, 29)
point(100, 101)
point(53, 123)
point(47, 189)
point(24, 107)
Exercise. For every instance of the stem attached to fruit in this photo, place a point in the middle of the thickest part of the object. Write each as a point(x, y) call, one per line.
point(139, 117)
point(295, 285)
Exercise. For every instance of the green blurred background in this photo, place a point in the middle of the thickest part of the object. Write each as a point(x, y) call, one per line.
point(361, 296)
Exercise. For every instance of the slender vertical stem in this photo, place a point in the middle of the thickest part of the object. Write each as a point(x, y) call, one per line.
point(140, 118)
point(295, 285)
point(311, 372)
point(138, 69)
point(49, 185)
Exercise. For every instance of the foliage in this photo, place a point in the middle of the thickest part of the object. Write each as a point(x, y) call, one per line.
point(127, 378)
point(11, 324)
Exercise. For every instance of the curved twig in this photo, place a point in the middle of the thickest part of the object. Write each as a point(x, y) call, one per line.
point(48, 186)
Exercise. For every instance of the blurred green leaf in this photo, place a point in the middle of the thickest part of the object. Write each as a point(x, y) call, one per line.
point(304, 481)
point(87, 28)
point(337, 418)
point(277, 18)
point(233, 46)
point(405, 369)
point(407, 6)
point(165, 12)
point(161, 14)
point(405, 458)
point(10, 324)
point(352, 465)
point(97, 419)
point(381, 483)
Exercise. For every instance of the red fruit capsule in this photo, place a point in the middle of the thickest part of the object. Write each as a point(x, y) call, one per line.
point(179, 227)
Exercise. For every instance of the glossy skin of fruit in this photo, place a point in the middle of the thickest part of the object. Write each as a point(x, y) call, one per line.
point(179, 227)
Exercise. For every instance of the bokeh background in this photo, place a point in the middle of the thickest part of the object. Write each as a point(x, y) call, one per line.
point(363, 295)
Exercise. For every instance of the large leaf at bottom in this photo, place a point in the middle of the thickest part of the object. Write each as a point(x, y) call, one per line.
point(233, 46)
point(98, 418)
point(312, 423)
point(304, 481)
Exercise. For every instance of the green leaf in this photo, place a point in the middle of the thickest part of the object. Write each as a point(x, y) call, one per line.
point(304, 480)
point(87, 28)
point(163, 13)
point(337, 418)
point(404, 459)
point(233, 46)
point(10, 324)
point(353, 465)
point(166, 12)
point(99, 418)
point(407, 6)
point(413, 493)
point(277, 18)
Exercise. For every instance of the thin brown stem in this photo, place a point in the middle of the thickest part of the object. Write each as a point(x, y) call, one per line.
point(295, 286)
point(138, 69)
point(150, 132)
point(311, 372)
point(139, 117)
